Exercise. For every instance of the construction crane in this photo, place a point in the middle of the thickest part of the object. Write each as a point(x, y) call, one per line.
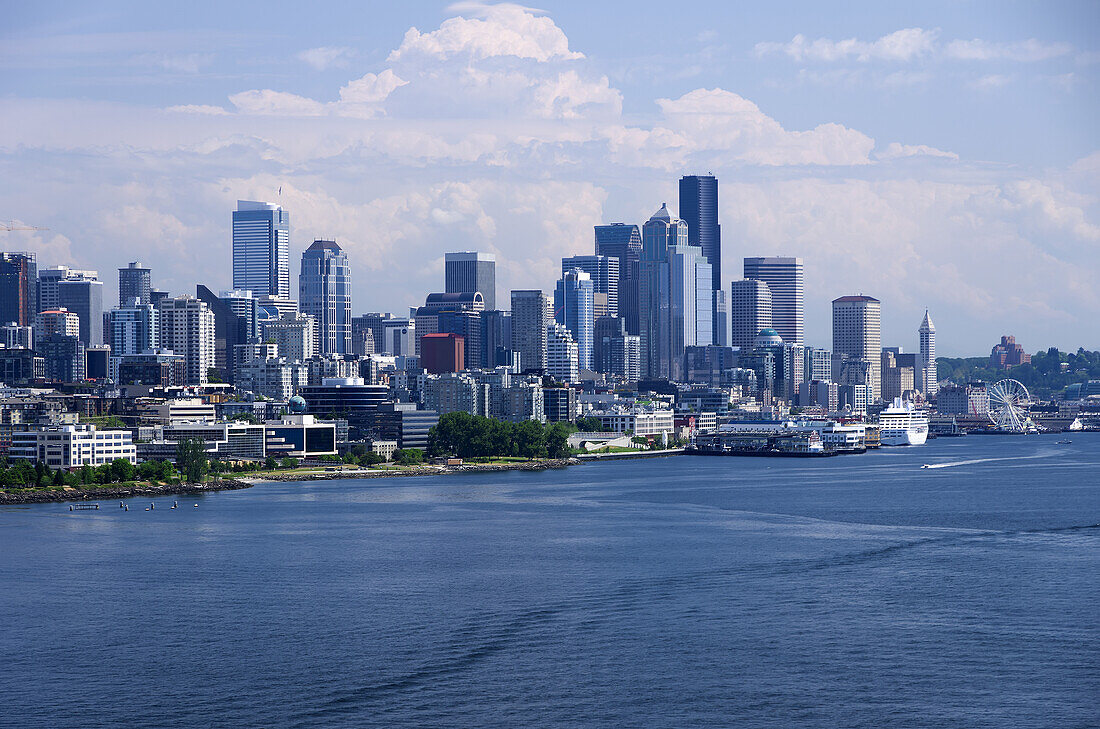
point(10, 225)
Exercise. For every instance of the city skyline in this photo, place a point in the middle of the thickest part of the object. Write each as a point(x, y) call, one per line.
point(789, 115)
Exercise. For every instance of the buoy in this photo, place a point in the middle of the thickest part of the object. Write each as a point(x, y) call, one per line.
point(70, 507)
point(152, 505)
point(126, 508)
point(120, 505)
point(196, 506)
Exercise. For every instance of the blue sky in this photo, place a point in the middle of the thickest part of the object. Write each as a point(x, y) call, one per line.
point(941, 155)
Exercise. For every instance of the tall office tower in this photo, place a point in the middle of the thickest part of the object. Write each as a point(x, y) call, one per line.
point(898, 373)
point(371, 322)
point(49, 281)
point(324, 292)
point(496, 338)
point(57, 321)
point(292, 334)
point(929, 381)
point(750, 310)
point(573, 305)
point(699, 209)
point(156, 296)
point(134, 282)
point(562, 354)
point(857, 342)
point(529, 323)
point(187, 328)
point(624, 243)
point(465, 323)
point(667, 295)
point(261, 248)
point(18, 288)
point(704, 303)
point(470, 271)
point(604, 272)
point(84, 295)
point(785, 279)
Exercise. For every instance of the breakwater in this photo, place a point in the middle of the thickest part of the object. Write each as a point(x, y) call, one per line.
point(431, 470)
point(111, 493)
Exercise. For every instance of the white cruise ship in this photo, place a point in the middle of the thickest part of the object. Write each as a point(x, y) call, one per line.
point(902, 424)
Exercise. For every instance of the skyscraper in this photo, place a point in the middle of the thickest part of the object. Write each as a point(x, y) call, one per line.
point(562, 354)
point(668, 295)
point(785, 279)
point(232, 326)
point(134, 282)
point(261, 248)
point(49, 279)
point(750, 311)
point(699, 209)
point(623, 242)
point(84, 296)
point(470, 271)
point(857, 342)
point(529, 323)
point(18, 288)
point(187, 328)
point(573, 305)
point(130, 330)
point(929, 382)
point(324, 292)
point(604, 272)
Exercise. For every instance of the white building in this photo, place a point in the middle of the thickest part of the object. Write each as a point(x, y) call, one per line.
point(929, 381)
point(73, 446)
point(786, 281)
point(187, 328)
point(273, 377)
point(294, 334)
point(522, 400)
point(857, 342)
point(184, 410)
point(750, 310)
point(456, 392)
point(638, 422)
point(562, 354)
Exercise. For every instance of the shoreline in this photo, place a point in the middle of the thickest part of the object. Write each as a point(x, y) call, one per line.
point(44, 496)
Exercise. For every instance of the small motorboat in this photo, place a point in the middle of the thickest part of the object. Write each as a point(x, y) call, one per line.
point(927, 465)
point(1064, 442)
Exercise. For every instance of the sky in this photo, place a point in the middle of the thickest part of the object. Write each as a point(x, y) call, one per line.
point(942, 156)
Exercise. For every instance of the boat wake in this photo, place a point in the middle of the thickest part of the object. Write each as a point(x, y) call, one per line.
point(983, 460)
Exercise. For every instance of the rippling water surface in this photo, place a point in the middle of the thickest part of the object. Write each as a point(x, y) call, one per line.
point(860, 591)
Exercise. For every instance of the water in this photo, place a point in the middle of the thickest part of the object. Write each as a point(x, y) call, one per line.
point(860, 591)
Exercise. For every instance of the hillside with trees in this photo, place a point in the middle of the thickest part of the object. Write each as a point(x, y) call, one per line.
point(1043, 377)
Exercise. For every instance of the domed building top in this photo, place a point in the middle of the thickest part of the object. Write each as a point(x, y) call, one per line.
point(297, 405)
point(767, 338)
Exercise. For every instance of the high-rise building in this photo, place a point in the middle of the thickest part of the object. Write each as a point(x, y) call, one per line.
point(699, 209)
point(261, 248)
point(57, 321)
point(84, 296)
point(469, 271)
point(324, 292)
point(750, 310)
point(604, 272)
point(14, 336)
point(562, 355)
point(929, 381)
point(18, 288)
point(134, 282)
point(130, 330)
point(496, 338)
point(529, 322)
point(441, 353)
point(624, 243)
point(897, 373)
point(232, 327)
point(293, 334)
point(49, 279)
point(818, 365)
point(63, 355)
point(668, 295)
point(573, 307)
point(242, 303)
point(857, 342)
point(785, 279)
point(187, 328)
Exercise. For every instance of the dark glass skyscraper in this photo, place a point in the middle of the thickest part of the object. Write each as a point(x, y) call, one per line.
point(18, 288)
point(699, 209)
point(134, 282)
point(470, 271)
point(261, 248)
point(324, 292)
point(623, 242)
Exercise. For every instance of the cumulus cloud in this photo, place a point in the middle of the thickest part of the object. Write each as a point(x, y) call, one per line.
point(325, 57)
point(279, 103)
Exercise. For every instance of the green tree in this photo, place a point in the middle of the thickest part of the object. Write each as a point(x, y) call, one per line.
point(214, 376)
point(408, 456)
point(557, 440)
point(59, 477)
point(122, 470)
point(41, 473)
point(103, 474)
point(246, 418)
point(191, 459)
point(289, 463)
point(372, 459)
point(87, 474)
point(589, 425)
point(270, 463)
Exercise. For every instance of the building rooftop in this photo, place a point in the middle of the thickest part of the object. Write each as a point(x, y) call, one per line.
point(860, 298)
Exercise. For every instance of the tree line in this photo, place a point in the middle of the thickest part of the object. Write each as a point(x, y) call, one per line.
point(475, 436)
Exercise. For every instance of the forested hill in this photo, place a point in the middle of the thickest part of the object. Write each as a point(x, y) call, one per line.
point(1042, 377)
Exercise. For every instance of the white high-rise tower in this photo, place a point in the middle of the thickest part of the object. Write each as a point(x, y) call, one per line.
point(929, 384)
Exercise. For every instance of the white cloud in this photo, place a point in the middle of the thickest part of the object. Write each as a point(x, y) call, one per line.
point(501, 30)
point(895, 150)
point(901, 45)
point(280, 103)
point(198, 109)
point(325, 57)
point(991, 81)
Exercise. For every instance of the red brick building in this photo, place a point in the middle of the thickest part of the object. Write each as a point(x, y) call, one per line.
point(1008, 354)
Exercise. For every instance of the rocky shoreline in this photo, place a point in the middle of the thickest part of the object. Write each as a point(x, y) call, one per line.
point(119, 493)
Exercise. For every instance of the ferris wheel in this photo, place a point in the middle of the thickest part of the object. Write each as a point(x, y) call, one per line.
point(1008, 403)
